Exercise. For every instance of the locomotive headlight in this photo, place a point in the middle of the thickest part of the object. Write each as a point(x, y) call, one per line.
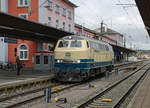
point(78, 61)
point(58, 61)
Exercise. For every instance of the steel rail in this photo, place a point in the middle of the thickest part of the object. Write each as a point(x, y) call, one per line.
point(83, 105)
point(121, 100)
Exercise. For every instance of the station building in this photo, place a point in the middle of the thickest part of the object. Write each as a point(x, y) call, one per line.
point(111, 34)
point(58, 14)
point(55, 13)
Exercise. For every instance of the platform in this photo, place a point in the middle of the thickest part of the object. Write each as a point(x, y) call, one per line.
point(8, 77)
point(142, 96)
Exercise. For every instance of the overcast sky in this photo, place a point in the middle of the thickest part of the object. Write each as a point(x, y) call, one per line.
point(121, 18)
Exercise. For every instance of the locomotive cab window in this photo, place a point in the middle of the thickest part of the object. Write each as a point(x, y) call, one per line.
point(76, 44)
point(63, 44)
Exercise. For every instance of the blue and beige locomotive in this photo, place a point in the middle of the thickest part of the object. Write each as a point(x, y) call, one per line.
point(78, 58)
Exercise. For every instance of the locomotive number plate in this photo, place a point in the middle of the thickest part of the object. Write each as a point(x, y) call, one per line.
point(68, 54)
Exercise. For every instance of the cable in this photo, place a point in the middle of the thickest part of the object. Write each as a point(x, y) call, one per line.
point(38, 7)
point(89, 9)
point(131, 20)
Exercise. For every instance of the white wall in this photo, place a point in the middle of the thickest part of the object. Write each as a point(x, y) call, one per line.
point(4, 6)
point(3, 46)
point(3, 50)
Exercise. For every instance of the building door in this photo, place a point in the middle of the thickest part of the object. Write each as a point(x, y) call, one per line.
point(44, 62)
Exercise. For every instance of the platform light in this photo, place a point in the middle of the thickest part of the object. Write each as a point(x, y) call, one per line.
point(70, 37)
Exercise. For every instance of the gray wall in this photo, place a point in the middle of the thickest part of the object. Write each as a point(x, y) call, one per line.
point(3, 50)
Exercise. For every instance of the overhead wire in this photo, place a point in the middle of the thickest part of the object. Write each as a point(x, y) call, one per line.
point(131, 19)
point(90, 10)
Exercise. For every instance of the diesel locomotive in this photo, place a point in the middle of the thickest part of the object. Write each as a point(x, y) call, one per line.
point(78, 58)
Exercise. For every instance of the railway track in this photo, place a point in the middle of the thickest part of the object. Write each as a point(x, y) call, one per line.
point(18, 99)
point(114, 95)
point(29, 96)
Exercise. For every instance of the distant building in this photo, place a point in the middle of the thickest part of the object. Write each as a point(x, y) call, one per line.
point(111, 34)
point(80, 30)
point(56, 13)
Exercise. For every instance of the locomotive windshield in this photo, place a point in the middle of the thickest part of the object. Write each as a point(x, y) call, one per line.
point(63, 44)
point(76, 44)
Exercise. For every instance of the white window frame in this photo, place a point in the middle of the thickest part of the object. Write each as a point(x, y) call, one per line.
point(64, 12)
point(23, 50)
point(50, 4)
point(23, 5)
point(69, 14)
point(57, 8)
point(49, 21)
point(20, 15)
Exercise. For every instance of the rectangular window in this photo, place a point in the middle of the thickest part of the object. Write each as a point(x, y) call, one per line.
point(45, 59)
point(26, 54)
point(76, 44)
point(57, 8)
point(38, 59)
point(63, 44)
point(25, 16)
point(57, 23)
point(64, 12)
point(23, 55)
point(49, 21)
point(26, 2)
point(64, 25)
point(69, 14)
point(50, 4)
point(87, 44)
point(22, 3)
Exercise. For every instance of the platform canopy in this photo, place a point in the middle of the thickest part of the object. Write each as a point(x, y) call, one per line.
point(122, 49)
point(16, 27)
point(144, 8)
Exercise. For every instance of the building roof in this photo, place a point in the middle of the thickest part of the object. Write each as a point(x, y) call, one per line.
point(69, 2)
point(87, 29)
point(121, 49)
point(107, 31)
point(144, 7)
point(16, 27)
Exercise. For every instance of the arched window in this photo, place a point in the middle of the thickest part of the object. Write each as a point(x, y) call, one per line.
point(23, 52)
